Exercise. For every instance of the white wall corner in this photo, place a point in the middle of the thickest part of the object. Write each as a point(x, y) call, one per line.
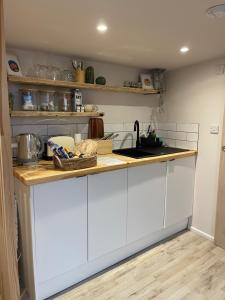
point(202, 233)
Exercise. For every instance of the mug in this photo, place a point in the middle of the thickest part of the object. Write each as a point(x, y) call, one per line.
point(90, 107)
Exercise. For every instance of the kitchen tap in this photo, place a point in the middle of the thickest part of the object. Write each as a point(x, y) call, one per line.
point(137, 128)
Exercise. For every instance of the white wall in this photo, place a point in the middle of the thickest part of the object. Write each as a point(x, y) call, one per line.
point(197, 94)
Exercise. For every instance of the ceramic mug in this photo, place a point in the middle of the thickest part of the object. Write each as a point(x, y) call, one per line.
point(90, 107)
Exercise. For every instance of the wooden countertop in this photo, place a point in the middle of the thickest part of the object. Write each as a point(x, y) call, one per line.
point(45, 171)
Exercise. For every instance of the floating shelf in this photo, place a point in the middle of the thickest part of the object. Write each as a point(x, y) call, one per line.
point(55, 114)
point(74, 85)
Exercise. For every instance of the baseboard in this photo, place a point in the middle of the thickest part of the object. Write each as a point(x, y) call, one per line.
point(202, 233)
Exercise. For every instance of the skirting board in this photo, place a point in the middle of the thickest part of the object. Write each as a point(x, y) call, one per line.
point(202, 233)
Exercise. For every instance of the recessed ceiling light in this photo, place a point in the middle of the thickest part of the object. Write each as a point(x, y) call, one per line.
point(184, 49)
point(217, 11)
point(102, 28)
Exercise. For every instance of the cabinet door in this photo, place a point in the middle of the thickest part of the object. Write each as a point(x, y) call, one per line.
point(180, 189)
point(107, 206)
point(146, 200)
point(60, 226)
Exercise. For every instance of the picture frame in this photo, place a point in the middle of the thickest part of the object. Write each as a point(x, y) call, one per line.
point(146, 80)
point(13, 66)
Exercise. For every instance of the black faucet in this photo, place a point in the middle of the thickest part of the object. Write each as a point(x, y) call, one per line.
point(136, 128)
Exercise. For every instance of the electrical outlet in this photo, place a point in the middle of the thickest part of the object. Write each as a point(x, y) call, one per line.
point(220, 69)
point(214, 129)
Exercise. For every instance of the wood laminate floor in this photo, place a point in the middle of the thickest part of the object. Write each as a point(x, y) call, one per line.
point(186, 267)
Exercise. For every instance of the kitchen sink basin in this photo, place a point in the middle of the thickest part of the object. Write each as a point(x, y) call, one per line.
point(133, 152)
point(148, 152)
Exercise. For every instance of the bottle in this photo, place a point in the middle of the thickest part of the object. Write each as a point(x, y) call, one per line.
point(77, 101)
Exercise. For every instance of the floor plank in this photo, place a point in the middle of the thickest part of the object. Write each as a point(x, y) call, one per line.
point(187, 267)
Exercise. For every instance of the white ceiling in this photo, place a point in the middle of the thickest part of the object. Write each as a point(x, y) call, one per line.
point(143, 33)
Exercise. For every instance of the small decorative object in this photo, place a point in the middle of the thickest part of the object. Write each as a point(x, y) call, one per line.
point(11, 102)
point(100, 80)
point(89, 75)
point(13, 66)
point(146, 81)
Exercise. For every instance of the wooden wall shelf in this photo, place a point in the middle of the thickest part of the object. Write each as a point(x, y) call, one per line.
point(74, 85)
point(54, 114)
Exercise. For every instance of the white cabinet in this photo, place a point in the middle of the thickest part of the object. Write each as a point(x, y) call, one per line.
point(60, 226)
point(107, 206)
point(180, 189)
point(146, 200)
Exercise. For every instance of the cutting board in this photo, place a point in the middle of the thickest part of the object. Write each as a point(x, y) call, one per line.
point(95, 128)
point(65, 141)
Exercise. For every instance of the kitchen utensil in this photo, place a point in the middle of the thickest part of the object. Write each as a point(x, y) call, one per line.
point(115, 136)
point(90, 107)
point(29, 147)
point(95, 128)
point(107, 136)
point(74, 64)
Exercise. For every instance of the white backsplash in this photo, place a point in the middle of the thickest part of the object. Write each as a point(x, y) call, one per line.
point(169, 132)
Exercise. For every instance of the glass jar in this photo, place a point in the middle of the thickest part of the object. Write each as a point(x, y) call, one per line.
point(65, 100)
point(29, 99)
point(48, 101)
point(67, 75)
point(53, 73)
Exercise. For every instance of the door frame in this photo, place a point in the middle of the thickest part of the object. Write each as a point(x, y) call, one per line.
point(9, 283)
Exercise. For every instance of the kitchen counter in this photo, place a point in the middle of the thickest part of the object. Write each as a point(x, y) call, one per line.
point(45, 171)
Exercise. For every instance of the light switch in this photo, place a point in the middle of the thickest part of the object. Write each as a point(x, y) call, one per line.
point(214, 129)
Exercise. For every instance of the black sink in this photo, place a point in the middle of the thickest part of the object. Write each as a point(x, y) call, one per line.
point(133, 152)
point(148, 151)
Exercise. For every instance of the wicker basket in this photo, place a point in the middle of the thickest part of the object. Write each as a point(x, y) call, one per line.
point(75, 163)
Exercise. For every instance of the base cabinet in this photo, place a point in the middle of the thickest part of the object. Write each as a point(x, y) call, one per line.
point(74, 228)
point(107, 205)
point(60, 227)
point(146, 200)
point(180, 189)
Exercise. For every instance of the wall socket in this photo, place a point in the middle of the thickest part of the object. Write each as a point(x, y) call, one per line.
point(220, 69)
point(214, 129)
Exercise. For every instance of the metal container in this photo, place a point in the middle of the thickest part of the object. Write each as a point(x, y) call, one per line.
point(29, 147)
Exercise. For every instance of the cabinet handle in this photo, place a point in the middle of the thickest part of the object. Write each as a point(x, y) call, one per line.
point(172, 159)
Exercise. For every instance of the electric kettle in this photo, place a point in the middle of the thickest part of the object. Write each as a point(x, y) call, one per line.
point(29, 147)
